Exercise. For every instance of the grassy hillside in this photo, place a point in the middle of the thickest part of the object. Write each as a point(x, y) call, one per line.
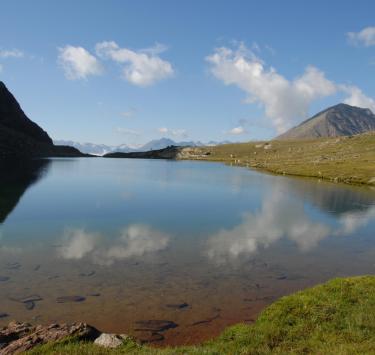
point(334, 318)
point(345, 159)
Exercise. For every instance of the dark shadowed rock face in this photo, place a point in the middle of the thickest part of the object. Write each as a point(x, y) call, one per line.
point(19, 337)
point(339, 120)
point(12, 117)
point(21, 137)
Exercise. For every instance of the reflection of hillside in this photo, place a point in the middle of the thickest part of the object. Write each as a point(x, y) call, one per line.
point(15, 178)
point(334, 198)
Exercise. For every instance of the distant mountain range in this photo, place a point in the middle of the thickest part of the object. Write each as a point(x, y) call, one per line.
point(156, 144)
point(19, 136)
point(335, 121)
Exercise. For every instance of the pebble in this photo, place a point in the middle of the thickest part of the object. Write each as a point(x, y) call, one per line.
point(67, 299)
point(155, 325)
point(178, 305)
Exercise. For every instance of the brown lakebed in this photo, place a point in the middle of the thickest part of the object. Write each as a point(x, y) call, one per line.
point(172, 252)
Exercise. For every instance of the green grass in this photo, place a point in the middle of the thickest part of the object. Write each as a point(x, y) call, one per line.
point(337, 317)
point(343, 159)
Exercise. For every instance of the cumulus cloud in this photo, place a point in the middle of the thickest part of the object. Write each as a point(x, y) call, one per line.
point(141, 68)
point(78, 63)
point(181, 133)
point(236, 131)
point(358, 98)
point(134, 241)
point(11, 53)
point(365, 37)
point(285, 102)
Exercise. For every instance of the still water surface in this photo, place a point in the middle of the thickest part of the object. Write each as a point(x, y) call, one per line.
point(118, 242)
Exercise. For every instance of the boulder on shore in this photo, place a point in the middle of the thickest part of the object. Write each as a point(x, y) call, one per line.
point(18, 337)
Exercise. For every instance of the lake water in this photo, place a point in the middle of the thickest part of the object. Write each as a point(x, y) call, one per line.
point(200, 244)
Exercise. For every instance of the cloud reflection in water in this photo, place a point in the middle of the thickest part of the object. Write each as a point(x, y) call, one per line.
point(136, 240)
point(279, 217)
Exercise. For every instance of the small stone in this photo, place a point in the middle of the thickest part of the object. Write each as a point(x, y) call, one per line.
point(110, 340)
point(87, 274)
point(3, 315)
point(4, 278)
point(66, 299)
point(155, 325)
point(29, 305)
point(178, 305)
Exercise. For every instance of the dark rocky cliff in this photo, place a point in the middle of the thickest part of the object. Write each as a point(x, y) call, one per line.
point(21, 137)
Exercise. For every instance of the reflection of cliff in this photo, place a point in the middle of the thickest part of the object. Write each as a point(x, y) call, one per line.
point(334, 198)
point(15, 178)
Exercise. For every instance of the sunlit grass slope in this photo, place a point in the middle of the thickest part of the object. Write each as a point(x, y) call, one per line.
point(342, 159)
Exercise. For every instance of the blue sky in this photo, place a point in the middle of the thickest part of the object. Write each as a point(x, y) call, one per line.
point(118, 72)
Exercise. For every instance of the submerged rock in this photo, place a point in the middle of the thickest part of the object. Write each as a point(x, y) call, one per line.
point(87, 274)
point(4, 278)
point(155, 325)
point(110, 340)
point(177, 305)
point(28, 301)
point(3, 315)
point(149, 337)
point(19, 337)
point(67, 299)
point(29, 305)
point(13, 266)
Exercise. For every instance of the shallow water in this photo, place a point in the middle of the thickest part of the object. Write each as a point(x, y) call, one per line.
point(199, 244)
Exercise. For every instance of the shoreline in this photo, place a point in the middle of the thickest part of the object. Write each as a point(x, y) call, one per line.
point(348, 159)
point(321, 319)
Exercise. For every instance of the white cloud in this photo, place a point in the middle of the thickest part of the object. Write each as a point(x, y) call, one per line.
point(237, 131)
point(285, 102)
point(181, 133)
point(366, 37)
point(141, 68)
point(128, 113)
point(163, 130)
point(358, 98)
point(78, 63)
point(1, 68)
point(127, 131)
point(11, 53)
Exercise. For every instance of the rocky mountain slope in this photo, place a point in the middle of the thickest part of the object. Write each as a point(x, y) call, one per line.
point(19, 136)
point(335, 121)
